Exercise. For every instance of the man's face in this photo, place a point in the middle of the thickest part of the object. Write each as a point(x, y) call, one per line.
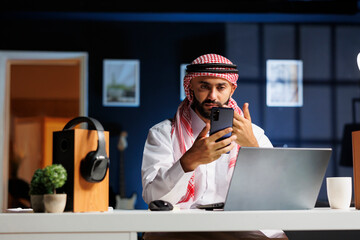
point(210, 92)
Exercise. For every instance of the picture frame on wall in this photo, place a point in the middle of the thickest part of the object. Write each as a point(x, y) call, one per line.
point(121, 83)
point(284, 83)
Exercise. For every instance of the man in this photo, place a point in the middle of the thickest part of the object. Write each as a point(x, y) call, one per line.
point(182, 164)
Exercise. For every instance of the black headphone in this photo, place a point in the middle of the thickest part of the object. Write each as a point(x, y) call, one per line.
point(96, 163)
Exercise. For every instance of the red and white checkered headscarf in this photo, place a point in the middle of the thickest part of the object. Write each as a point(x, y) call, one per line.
point(181, 130)
point(209, 58)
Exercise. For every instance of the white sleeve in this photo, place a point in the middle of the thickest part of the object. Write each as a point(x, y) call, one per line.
point(161, 177)
point(260, 136)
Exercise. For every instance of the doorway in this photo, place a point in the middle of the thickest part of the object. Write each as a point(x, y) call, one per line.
point(43, 90)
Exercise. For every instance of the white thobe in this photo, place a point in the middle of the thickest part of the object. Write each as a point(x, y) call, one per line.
point(164, 178)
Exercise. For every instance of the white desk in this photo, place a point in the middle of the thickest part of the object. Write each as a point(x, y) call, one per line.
point(124, 224)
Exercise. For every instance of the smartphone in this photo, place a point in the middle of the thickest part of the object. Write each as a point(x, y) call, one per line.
point(220, 119)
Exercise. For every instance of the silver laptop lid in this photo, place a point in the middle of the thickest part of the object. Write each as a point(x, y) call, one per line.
point(277, 178)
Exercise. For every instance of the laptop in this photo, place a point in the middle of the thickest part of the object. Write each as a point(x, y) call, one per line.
point(276, 179)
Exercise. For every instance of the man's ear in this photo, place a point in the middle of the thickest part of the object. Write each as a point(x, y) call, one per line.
point(233, 87)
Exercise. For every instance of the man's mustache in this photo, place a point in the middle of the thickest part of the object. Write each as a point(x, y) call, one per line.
point(211, 102)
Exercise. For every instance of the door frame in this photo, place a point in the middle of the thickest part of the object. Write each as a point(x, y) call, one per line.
point(6, 57)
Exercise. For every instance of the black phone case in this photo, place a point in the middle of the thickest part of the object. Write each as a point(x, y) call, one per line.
point(221, 118)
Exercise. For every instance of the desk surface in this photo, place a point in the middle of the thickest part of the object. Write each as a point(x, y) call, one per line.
point(184, 220)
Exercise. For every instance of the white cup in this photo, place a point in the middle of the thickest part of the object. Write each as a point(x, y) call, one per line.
point(339, 191)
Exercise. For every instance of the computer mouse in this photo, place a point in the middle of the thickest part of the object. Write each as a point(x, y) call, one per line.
point(160, 205)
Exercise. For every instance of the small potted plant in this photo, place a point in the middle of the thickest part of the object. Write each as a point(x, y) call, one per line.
point(37, 191)
point(54, 176)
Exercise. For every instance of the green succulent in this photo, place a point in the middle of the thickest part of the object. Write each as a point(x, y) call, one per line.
point(54, 176)
point(37, 186)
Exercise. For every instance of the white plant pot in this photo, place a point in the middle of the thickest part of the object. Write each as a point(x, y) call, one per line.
point(37, 203)
point(55, 203)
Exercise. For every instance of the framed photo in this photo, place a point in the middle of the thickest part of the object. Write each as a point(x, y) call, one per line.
point(182, 75)
point(284, 83)
point(121, 83)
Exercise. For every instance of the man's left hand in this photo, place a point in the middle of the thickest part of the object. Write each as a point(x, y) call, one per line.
point(242, 128)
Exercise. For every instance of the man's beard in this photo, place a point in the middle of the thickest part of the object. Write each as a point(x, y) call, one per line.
point(196, 105)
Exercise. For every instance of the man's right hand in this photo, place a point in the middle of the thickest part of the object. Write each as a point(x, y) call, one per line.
point(206, 149)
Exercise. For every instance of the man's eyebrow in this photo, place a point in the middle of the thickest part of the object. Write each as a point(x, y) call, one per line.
point(218, 84)
point(204, 82)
